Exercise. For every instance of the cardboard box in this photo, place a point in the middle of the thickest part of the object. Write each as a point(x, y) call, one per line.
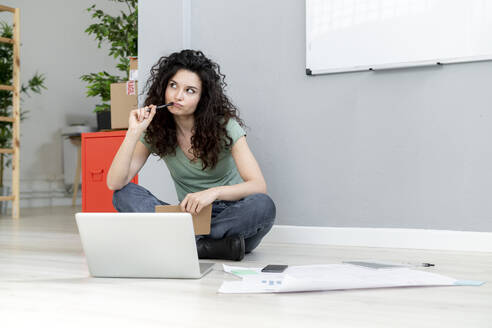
point(123, 100)
point(201, 222)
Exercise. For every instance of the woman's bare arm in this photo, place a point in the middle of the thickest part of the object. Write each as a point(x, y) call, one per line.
point(132, 154)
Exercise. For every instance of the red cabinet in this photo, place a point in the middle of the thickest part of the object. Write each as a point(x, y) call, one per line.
point(98, 151)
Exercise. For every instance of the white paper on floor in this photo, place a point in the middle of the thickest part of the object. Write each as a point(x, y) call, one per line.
point(328, 277)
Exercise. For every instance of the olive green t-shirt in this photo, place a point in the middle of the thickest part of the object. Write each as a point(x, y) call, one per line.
point(189, 177)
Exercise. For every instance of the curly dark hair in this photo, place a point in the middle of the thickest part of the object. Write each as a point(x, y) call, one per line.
point(211, 115)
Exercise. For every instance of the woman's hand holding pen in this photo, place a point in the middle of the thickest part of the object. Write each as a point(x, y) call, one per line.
point(140, 118)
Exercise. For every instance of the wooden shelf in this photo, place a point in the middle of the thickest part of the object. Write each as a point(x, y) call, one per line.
point(6, 87)
point(7, 40)
point(5, 8)
point(6, 151)
point(6, 119)
point(15, 119)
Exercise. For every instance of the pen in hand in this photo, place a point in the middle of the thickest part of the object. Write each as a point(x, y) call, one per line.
point(162, 106)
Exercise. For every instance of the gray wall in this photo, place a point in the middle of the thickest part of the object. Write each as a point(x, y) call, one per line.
point(53, 42)
point(407, 148)
point(158, 37)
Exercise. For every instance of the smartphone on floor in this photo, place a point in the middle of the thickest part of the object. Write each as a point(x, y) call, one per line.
point(274, 268)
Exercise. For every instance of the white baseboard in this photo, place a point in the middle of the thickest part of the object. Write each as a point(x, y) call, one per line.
point(43, 193)
point(383, 237)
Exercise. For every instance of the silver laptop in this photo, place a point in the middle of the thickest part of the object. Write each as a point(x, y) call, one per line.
point(140, 245)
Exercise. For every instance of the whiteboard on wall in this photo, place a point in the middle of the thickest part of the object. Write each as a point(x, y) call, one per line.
point(357, 35)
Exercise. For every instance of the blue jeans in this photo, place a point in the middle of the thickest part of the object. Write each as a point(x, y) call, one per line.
point(251, 217)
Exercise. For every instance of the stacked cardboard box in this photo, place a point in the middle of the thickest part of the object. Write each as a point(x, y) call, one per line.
point(124, 98)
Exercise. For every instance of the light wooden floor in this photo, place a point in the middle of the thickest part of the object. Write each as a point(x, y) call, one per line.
point(44, 282)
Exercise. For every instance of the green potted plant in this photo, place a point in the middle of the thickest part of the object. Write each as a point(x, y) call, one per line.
point(121, 32)
point(34, 85)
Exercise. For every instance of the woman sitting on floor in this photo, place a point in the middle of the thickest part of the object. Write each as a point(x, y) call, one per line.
point(202, 141)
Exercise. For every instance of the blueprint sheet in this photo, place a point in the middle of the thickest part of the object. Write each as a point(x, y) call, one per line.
point(331, 277)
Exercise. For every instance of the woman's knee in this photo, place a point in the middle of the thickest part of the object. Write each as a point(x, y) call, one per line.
point(124, 190)
point(123, 195)
point(265, 204)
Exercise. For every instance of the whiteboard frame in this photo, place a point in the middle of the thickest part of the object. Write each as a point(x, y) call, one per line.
point(424, 63)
